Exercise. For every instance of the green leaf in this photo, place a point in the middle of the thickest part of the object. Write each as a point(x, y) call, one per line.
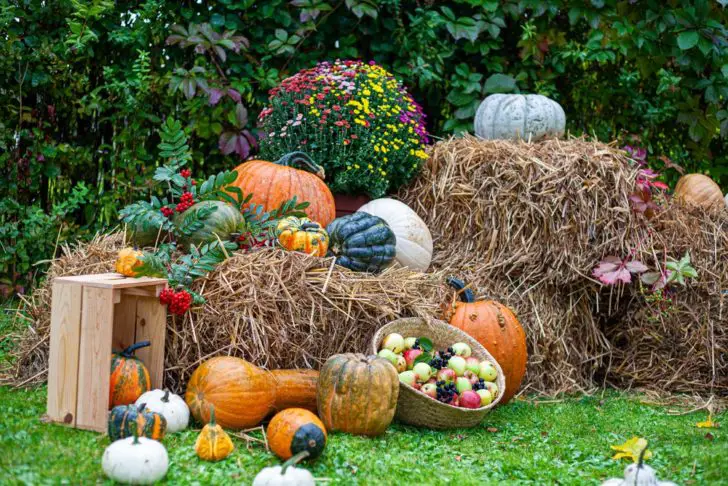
point(423, 358)
point(426, 344)
point(500, 83)
point(687, 40)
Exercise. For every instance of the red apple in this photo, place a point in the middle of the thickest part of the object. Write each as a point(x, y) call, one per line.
point(469, 399)
point(462, 349)
point(423, 370)
point(487, 371)
point(462, 384)
point(447, 375)
point(457, 364)
point(429, 389)
point(393, 342)
point(401, 364)
point(432, 380)
point(410, 356)
point(455, 400)
point(492, 388)
point(417, 386)
point(485, 397)
point(472, 377)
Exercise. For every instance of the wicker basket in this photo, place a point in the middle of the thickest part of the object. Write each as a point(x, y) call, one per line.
point(418, 409)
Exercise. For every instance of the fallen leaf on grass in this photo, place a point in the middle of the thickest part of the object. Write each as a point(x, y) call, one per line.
point(492, 429)
point(632, 449)
point(458, 458)
point(708, 424)
point(709, 436)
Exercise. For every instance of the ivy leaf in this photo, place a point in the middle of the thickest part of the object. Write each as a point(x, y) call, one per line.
point(613, 269)
point(632, 449)
point(687, 40)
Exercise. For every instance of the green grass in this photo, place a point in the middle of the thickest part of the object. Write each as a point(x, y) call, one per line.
point(523, 443)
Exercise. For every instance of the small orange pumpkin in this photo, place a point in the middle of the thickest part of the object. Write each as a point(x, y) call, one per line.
point(129, 376)
point(494, 326)
point(302, 234)
point(296, 430)
point(699, 190)
point(128, 261)
point(273, 183)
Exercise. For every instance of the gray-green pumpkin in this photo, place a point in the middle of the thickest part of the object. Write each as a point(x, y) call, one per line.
point(215, 219)
point(362, 242)
point(515, 116)
point(147, 232)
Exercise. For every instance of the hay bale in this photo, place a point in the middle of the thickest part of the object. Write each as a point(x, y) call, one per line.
point(274, 308)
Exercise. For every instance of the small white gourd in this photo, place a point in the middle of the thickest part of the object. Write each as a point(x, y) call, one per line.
point(414, 241)
point(514, 116)
point(171, 406)
point(638, 474)
point(135, 460)
point(286, 475)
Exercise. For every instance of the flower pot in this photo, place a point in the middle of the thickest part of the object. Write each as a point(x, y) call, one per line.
point(348, 204)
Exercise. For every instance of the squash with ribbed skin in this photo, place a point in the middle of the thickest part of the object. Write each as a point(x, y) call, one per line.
point(414, 241)
point(124, 420)
point(496, 327)
point(362, 242)
point(699, 190)
point(273, 183)
point(219, 220)
point(295, 430)
point(127, 261)
point(513, 116)
point(171, 406)
point(213, 443)
point(243, 394)
point(302, 234)
point(357, 394)
point(129, 376)
point(135, 460)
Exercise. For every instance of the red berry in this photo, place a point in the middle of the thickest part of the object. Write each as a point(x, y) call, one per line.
point(167, 211)
point(185, 173)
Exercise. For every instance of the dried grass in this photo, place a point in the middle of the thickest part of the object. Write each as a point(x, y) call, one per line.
point(526, 223)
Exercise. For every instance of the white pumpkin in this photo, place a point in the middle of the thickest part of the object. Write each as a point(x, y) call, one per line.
point(414, 241)
point(171, 406)
point(285, 475)
point(135, 460)
point(638, 475)
point(514, 116)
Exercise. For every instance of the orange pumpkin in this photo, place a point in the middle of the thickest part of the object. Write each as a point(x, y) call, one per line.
point(273, 183)
point(127, 262)
point(243, 394)
point(129, 376)
point(495, 327)
point(357, 394)
point(699, 190)
point(294, 431)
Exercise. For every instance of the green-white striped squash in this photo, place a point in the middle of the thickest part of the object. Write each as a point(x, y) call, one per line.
point(362, 242)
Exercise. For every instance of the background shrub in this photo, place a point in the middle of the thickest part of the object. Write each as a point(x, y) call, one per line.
point(85, 84)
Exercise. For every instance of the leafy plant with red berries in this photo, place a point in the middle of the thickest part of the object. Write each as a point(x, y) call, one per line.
point(182, 192)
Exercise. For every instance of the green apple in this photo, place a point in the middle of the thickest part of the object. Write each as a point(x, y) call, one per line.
point(408, 378)
point(401, 364)
point(429, 389)
point(487, 371)
point(485, 397)
point(393, 342)
point(457, 364)
point(462, 349)
point(463, 384)
point(472, 364)
point(423, 371)
point(388, 355)
point(492, 388)
point(409, 342)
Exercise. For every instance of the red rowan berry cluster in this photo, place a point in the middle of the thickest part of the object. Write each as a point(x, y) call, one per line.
point(185, 202)
point(177, 302)
point(167, 211)
point(186, 173)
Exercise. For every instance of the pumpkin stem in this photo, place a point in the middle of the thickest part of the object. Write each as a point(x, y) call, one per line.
point(135, 431)
point(212, 415)
point(129, 352)
point(141, 407)
point(312, 225)
point(465, 293)
point(165, 398)
point(294, 460)
point(291, 158)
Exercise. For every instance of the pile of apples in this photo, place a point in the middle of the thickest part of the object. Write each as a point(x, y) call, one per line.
point(450, 376)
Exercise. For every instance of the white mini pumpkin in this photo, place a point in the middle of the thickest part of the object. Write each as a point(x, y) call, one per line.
point(284, 476)
point(171, 406)
point(638, 475)
point(135, 460)
point(514, 116)
point(414, 241)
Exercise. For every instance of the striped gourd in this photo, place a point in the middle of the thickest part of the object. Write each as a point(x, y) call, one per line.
point(129, 376)
point(124, 419)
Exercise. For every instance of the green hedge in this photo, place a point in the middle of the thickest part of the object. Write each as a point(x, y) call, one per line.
point(85, 84)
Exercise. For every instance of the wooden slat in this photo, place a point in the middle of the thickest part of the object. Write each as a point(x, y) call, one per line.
point(124, 334)
point(97, 320)
point(151, 325)
point(64, 352)
point(113, 280)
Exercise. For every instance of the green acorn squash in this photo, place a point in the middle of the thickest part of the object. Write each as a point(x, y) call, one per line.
point(362, 242)
point(207, 221)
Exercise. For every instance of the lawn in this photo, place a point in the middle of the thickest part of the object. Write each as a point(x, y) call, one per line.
point(526, 442)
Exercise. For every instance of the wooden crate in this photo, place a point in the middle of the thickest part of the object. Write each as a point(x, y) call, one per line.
point(90, 316)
